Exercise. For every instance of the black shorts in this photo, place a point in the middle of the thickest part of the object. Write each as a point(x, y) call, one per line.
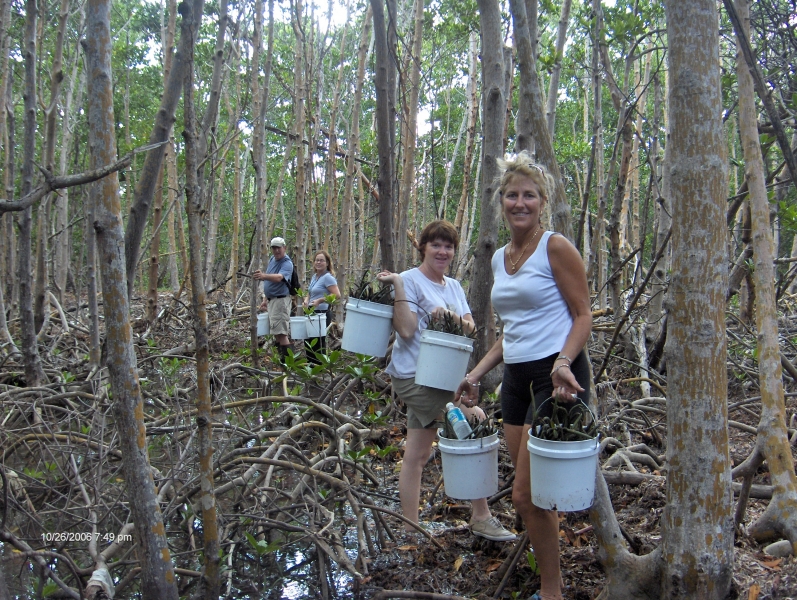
point(517, 406)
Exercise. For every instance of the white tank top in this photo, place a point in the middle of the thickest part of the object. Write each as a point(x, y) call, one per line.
point(534, 313)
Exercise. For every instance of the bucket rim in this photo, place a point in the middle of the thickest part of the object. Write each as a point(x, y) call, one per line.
point(563, 450)
point(449, 340)
point(367, 307)
point(471, 446)
point(554, 443)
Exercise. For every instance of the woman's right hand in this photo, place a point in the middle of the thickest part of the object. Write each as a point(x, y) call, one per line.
point(565, 386)
point(467, 392)
point(388, 277)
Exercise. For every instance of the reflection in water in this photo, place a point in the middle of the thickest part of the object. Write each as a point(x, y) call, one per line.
point(292, 572)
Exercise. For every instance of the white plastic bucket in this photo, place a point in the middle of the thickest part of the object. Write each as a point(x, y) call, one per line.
point(367, 327)
point(470, 467)
point(563, 473)
point(316, 326)
point(298, 328)
point(263, 327)
point(442, 360)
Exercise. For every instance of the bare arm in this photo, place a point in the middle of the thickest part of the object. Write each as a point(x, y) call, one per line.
point(405, 322)
point(571, 279)
point(272, 277)
point(469, 386)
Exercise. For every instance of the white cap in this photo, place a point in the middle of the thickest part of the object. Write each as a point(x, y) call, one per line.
point(277, 241)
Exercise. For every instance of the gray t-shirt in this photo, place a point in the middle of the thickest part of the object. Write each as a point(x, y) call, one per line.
point(285, 268)
point(318, 288)
point(422, 291)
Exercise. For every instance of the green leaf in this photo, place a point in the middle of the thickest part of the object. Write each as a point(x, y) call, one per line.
point(533, 563)
point(261, 547)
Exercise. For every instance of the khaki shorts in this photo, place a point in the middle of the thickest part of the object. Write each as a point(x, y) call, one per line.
point(279, 315)
point(425, 406)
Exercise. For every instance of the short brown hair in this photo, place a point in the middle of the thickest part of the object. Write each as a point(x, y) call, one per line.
point(437, 230)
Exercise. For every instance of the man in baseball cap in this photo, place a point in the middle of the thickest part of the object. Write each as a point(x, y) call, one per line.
point(277, 299)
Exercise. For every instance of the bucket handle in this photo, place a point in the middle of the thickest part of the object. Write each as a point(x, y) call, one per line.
point(426, 315)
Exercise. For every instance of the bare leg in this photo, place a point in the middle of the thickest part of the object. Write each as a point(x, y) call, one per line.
point(416, 452)
point(542, 525)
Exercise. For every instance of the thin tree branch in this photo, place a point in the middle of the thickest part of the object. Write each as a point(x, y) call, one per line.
point(57, 183)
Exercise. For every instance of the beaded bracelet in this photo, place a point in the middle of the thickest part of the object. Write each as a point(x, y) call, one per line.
point(477, 384)
point(564, 357)
point(555, 369)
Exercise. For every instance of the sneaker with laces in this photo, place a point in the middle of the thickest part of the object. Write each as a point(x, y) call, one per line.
point(492, 529)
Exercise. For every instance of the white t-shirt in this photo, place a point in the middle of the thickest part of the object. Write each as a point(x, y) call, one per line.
point(422, 291)
point(535, 315)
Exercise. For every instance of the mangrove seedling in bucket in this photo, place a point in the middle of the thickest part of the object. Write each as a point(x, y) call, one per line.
point(568, 422)
point(365, 290)
point(449, 323)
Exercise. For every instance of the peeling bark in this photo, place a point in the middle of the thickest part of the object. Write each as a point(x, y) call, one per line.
point(34, 373)
point(780, 517)
point(697, 523)
point(158, 576)
point(494, 91)
point(385, 128)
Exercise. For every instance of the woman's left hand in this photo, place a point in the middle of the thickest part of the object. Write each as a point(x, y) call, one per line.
point(565, 386)
point(440, 312)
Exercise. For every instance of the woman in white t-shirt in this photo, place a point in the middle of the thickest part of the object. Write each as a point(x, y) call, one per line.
point(540, 294)
point(427, 289)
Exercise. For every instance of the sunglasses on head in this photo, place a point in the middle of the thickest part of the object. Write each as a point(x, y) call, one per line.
point(536, 167)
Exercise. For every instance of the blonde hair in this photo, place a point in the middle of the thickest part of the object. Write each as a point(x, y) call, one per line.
point(523, 166)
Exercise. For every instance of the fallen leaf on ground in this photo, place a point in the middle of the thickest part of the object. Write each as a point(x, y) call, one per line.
point(494, 566)
point(773, 564)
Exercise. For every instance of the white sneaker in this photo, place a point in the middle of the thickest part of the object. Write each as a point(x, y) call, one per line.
point(492, 529)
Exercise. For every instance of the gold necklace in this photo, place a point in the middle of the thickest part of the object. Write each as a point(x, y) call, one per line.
point(522, 252)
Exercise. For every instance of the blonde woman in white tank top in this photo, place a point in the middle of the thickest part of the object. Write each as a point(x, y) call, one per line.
point(541, 295)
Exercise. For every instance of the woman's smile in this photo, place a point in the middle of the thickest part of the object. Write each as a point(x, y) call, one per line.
point(522, 202)
point(439, 255)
